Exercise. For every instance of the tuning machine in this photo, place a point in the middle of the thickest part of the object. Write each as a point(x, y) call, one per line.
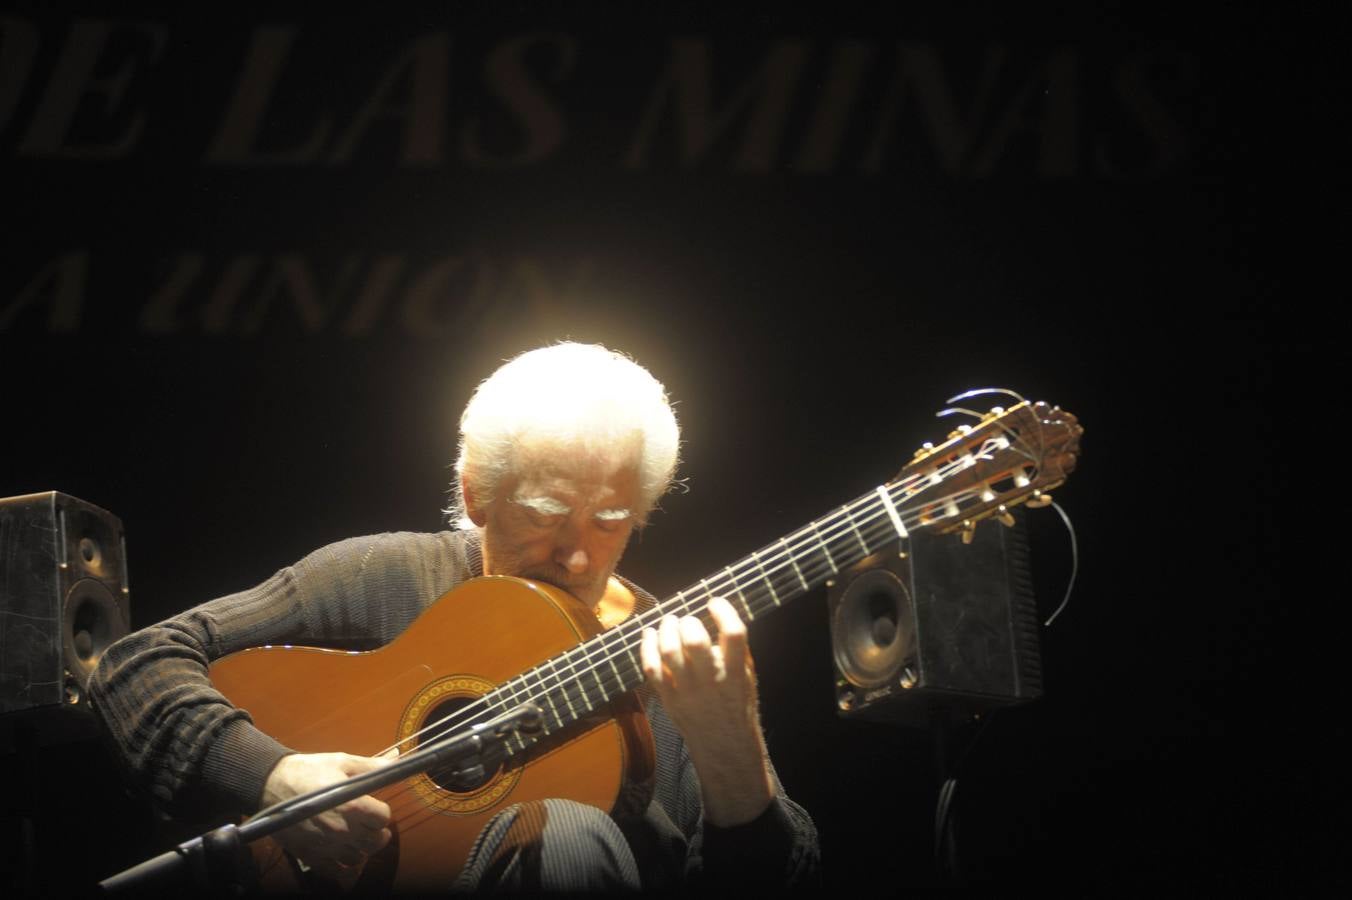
point(1039, 500)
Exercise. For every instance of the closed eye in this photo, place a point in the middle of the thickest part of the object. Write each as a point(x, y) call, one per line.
point(542, 521)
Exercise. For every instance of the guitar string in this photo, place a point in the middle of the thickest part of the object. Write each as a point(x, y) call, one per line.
point(412, 813)
point(563, 671)
point(409, 810)
point(683, 599)
point(875, 523)
point(405, 808)
point(588, 664)
point(491, 706)
point(623, 635)
point(802, 538)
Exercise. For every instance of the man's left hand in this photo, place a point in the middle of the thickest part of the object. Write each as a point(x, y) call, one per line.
point(709, 690)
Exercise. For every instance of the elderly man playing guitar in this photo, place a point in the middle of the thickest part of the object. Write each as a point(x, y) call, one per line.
point(564, 452)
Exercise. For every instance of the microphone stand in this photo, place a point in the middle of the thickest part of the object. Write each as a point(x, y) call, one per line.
point(215, 858)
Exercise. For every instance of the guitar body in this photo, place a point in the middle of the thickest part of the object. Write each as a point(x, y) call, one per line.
point(483, 633)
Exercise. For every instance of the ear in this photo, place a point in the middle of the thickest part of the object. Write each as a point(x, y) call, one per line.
point(475, 510)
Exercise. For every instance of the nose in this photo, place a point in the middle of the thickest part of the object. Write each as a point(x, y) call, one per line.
point(569, 550)
point(574, 560)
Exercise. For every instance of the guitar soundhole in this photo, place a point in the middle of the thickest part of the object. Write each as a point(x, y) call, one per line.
point(472, 774)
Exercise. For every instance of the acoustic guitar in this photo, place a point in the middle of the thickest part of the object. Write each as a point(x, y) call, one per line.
point(533, 642)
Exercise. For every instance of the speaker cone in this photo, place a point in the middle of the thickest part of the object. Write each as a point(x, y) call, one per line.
point(873, 628)
point(92, 622)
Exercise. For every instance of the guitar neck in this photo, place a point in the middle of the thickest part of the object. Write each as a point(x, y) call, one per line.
point(1010, 457)
point(784, 570)
point(574, 684)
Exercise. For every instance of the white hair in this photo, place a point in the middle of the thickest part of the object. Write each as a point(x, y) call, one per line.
point(580, 396)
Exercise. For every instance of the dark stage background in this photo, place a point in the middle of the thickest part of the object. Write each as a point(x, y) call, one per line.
point(256, 263)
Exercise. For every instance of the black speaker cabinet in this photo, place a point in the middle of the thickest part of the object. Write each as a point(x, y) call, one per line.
point(63, 598)
point(935, 625)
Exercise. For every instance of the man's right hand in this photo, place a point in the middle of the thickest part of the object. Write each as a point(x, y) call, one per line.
point(336, 842)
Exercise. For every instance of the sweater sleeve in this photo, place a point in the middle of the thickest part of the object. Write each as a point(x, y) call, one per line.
point(181, 741)
point(777, 850)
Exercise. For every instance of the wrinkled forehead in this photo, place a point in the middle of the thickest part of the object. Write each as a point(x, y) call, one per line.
point(537, 458)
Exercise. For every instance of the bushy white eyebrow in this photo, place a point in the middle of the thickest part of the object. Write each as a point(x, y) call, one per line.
point(545, 506)
point(548, 506)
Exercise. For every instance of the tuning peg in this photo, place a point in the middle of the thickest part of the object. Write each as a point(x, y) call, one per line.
point(968, 531)
point(925, 450)
point(1039, 500)
point(1005, 517)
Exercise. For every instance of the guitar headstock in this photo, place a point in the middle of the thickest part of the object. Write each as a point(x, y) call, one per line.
point(1007, 457)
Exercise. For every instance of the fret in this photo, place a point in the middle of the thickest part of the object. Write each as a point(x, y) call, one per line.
point(572, 680)
point(768, 583)
point(569, 701)
point(892, 513)
point(499, 697)
point(633, 672)
point(862, 542)
point(558, 719)
point(516, 688)
point(599, 685)
point(835, 570)
point(793, 562)
point(708, 594)
point(495, 701)
point(544, 721)
point(582, 688)
point(737, 589)
point(589, 649)
point(506, 695)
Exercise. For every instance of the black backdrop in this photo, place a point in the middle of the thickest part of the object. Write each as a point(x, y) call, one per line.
point(256, 263)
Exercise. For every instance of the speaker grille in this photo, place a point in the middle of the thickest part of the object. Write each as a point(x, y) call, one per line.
point(943, 626)
point(874, 628)
point(63, 597)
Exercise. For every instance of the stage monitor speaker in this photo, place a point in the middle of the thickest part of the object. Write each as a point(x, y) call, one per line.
point(63, 598)
point(936, 626)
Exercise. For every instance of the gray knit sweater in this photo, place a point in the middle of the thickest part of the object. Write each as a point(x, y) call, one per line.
point(203, 760)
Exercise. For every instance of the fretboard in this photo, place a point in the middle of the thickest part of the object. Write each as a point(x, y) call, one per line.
point(584, 679)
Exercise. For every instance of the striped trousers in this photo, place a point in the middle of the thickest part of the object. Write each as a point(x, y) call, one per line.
point(550, 845)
